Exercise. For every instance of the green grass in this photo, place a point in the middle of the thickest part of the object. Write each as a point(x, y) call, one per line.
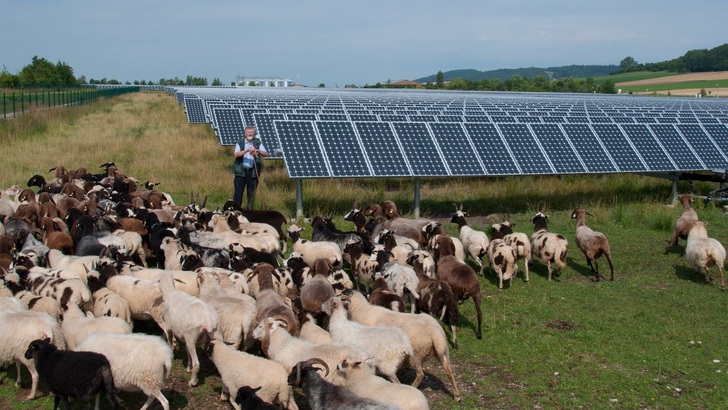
point(634, 76)
point(705, 84)
point(650, 339)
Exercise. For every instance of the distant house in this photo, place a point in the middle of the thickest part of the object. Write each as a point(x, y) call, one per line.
point(406, 84)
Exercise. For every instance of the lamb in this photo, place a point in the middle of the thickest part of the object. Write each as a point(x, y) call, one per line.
point(503, 260)
point(269, 303)
point(517, 240)
point(361, 381)
point(139, 362)
point(426, 335)
point(280, 346)
point(685, 222)
point(592, 244)
point(459, 275)
point(19, 328)
point(362, 267)
point(323, 395)
point(389, 346)
point(238, 369)
point(310, 251)
point(77, 326)
point(474, 242)
point(704, 252)
point(549, 247)
point(82, 375)
point(190, 320)
point(236, 313)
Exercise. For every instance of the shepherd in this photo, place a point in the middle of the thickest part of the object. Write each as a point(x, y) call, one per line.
point(249, 154)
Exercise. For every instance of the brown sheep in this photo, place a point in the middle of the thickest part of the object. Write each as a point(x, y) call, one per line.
point(684, 223)
point(592, 244)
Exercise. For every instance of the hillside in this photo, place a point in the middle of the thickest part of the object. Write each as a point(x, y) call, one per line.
point(575, 71)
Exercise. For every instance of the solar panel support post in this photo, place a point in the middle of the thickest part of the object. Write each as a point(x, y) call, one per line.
point(417, 198)
point(299, 198)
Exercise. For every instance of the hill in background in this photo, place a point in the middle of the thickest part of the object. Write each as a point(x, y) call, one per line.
point(574, 71)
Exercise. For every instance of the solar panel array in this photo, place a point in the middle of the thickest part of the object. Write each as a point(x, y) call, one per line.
point(386, 133)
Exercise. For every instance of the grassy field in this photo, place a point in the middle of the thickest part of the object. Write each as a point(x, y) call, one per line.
point(651, 339)
point(633, 76)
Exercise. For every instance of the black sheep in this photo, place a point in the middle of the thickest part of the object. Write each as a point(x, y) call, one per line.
point(247, 399)
point(81, 375)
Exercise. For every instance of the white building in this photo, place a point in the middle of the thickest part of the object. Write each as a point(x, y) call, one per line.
point(242, 81)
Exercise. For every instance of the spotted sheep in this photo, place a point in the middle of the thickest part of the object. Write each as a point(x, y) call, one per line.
point(548, 246)
point(517, 240)
point(592, 244)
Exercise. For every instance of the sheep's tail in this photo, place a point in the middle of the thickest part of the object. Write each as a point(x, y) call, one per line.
point(561, 260)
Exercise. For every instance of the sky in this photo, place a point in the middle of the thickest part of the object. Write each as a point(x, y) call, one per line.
point(343, 42)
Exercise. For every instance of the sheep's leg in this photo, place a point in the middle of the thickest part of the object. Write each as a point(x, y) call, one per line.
point(224, 393)
point(476, 300)
point(420, 374)
point(17, 370)
point(149, 401)
point(673, 242)
point(235, 405)
point(526, 262)
point(454, 331)
point(194, 361)
point(33, 378)
point(611, 267)
point(500, 277)
point(445, 361)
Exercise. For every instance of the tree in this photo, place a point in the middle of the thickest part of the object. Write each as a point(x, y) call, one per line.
point(8, 80)
point(216, 82)
point(440, 79)
point(628, 64)
point(322, 85)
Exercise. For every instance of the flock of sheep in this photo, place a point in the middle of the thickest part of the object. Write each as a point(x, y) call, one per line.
point(344, 308)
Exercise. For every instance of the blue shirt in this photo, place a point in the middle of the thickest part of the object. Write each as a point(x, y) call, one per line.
point(248, 159)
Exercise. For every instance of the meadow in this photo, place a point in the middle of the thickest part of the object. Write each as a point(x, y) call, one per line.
point(651, 339)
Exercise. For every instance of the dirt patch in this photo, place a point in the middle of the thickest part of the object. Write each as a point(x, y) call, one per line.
point(564, 325)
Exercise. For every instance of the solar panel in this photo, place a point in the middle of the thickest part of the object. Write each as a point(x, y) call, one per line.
point(456, 149)
point(489, 145)
point(679, 150)
point(342, 149)
point(558, 149)
point(419, 149)
point(228, 124)
point(303, 154)
point(529, 156)
point(589, 148)
point(619, 148)
point(195, 111)
point(719, 133)
point(648, 147)
point(264, 124)
point(382, 149)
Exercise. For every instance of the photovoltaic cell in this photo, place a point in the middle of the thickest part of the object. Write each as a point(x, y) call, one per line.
point(228, 125)
point(528, 155)
point(195, 109)
point(704, 146)
point(619, 148)
point(681, 153)
point(382, 149)
point(557, 148)
point(650, 151)
point(267, 131)
point(342, 148)
point(590, 150)
point(719, 133)
point(419, 149)
point(456, 149)
point(494, 153)
point(303, 154)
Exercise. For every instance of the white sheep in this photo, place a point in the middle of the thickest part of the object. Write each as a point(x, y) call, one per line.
point(704, 252)
point(425, 334)
point(389, 346)
point(362, 382)
point(19, 328)
point(475, 242)
point(403, 281)
point(138, 362)
point(184, 280)
point(312, 332)
point(548, 246)
point(236, 313)
point(143, 296)
point(238, 369)
point(503, 261)
point(262, 242)
point(189, 319)
point(685, 222)
point(77, 326)
point(592, 244)
point(289, 350)
point(310, 251)
point(42, 304)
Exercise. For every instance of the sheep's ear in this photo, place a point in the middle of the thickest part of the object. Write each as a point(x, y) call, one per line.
point(47, 340)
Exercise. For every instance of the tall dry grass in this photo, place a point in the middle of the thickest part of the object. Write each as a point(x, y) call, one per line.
point(147, 135)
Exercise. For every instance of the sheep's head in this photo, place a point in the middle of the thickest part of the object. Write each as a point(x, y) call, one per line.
point(38, 345)
point(314, 364)
point(540, 216)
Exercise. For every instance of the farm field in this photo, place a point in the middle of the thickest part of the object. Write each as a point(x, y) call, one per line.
point(653, 338)
point(715, 83)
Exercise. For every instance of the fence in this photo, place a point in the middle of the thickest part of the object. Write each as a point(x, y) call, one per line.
point(18, 102)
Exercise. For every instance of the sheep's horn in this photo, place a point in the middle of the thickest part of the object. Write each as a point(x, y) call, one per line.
point(316, 360)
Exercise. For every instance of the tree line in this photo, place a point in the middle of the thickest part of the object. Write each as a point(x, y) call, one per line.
point(694, 61)
point(42, 73)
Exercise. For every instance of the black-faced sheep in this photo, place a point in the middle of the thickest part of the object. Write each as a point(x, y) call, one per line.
point(474, 242)
point(592, 244)
point(519, 241)
point(80, 375)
